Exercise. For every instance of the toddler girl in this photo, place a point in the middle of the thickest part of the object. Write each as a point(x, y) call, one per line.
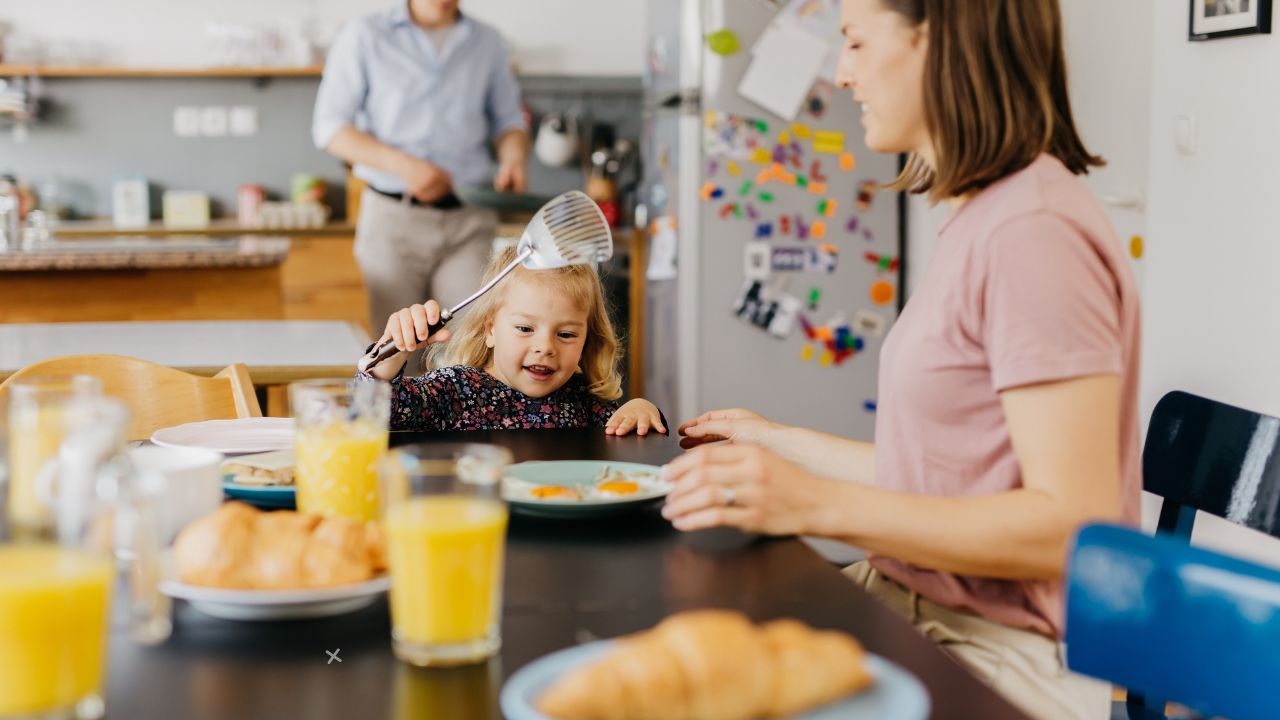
point(537, 351)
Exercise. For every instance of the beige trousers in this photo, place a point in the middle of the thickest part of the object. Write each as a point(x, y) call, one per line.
point(1023, 666)
point(411, 254)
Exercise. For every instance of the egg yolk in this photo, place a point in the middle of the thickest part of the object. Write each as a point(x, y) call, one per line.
point(618, 487)
point(553, 491)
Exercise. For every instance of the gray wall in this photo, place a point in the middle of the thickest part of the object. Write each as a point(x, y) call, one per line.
point(96, 130)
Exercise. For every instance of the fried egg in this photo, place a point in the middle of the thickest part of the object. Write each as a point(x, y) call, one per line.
point(616, 485)
point(554, 492)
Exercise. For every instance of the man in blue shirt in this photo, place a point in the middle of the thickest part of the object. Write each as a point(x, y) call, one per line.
point(412, 97)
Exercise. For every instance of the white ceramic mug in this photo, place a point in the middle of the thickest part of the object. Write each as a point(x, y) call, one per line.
point(186, 482)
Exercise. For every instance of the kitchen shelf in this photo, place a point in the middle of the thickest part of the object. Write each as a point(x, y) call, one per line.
point(10, 70)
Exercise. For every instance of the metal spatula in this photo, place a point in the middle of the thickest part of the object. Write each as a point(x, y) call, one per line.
point(569, 230)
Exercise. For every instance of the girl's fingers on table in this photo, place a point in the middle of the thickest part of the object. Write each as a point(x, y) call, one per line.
point(624, 425)
point(642, 426)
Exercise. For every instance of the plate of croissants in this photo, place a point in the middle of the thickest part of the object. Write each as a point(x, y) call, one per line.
point(240, 563)
point(716, 664)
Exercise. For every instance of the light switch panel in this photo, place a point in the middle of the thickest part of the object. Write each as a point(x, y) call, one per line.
point(213, 121)
point(186, 121)
point(244, 121)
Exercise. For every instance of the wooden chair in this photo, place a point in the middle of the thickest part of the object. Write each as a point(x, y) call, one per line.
point(1208, 456)
point(1176, 621)
point(157, 396)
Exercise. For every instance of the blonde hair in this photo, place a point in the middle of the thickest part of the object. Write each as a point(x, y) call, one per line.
point(600, 351)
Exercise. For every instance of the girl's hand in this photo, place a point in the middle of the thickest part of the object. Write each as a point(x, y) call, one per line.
point(408, 328)
point(639, 414)
point(736, 425)
point(745, 487)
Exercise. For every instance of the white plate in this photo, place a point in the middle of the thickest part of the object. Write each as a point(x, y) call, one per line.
point(896, 693)
point(245, 435)
point(278, 604)
point(580, 474)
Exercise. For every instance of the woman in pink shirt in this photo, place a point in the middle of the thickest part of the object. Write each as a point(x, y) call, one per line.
point(1007, 408)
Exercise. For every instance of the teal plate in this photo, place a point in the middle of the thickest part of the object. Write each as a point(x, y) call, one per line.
point(579, 474)
point(896, 694)
point(267, 497)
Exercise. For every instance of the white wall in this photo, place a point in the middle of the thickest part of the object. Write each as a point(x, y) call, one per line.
point(561, 37)
point(1212, 323)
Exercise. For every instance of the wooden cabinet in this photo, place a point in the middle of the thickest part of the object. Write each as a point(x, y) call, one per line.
point(321, 281)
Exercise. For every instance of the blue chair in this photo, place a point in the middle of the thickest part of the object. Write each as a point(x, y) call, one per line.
point(1176, 621)
point(1204, 455)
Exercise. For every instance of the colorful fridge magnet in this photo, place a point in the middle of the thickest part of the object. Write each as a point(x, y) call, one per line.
point(746, 188)
point(837, 340)
point(784, 138)
point(866, 194)
point(800, 130)
point(788, 259)
point(828, 141)
point(770, 310)
point(806, 353)
point(723, 42)
point(868, 323)
point(760, 156)
point(819, 229)
point(713, 166)
point(815, 172)
point(710, 191)
point(883, 263)
point(819, 98)
point(852, 225)
point(755, 260)
point(869, 406)
point(764, 230)
point(734, 169)
point(823, 258)
point(847, 162)
point(784, 224)
point(1135, 247)
point(881, 292)
point(815, 297)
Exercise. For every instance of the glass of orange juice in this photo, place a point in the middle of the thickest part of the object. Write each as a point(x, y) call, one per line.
point(342, 434)
point(446, 529)
point(37, 426)
point(56, 590)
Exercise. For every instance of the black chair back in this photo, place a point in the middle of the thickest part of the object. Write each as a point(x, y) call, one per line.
point(1201, 454)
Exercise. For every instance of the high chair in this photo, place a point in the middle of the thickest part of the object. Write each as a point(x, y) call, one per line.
point(157, 396)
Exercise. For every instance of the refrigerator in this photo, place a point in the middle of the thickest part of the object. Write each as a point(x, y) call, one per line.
point(775, 262)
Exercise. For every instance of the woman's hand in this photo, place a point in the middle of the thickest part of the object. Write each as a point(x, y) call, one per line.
point(407, 329)
point(745, 487)
point(639, 414)
point(736, 425)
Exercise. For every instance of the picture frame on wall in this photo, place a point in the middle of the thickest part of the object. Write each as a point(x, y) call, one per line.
point(1212, 19)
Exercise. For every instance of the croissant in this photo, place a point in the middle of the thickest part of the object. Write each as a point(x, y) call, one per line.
point(238, 546)
point(711, 665)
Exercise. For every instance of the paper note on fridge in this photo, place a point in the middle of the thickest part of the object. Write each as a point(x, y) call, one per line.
point(783, 63)
point(663, 249)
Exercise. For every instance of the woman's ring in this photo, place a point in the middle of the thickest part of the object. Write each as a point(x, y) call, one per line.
point(730, 497)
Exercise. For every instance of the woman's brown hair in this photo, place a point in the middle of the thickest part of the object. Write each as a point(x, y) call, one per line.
point(995, 93)
point(599, 361)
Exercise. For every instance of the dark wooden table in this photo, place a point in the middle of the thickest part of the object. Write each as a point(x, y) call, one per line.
point(566, 582)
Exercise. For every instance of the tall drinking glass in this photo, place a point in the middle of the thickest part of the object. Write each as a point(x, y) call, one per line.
point(37, 426)
point(342, 434)
point(446, 536)
point(56, 592)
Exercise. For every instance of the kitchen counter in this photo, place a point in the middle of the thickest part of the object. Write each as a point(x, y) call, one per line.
point(145, 253)
point(99, 227)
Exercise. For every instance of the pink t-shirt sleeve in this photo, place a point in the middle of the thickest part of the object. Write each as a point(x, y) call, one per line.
point(1051, 306)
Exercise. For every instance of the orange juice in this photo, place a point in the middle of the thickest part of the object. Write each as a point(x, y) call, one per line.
point(337, 471)
point(446, 568)
point(33, 440)
point(53, 627)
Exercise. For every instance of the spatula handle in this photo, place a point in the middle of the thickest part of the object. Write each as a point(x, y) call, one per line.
point(381, 351)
